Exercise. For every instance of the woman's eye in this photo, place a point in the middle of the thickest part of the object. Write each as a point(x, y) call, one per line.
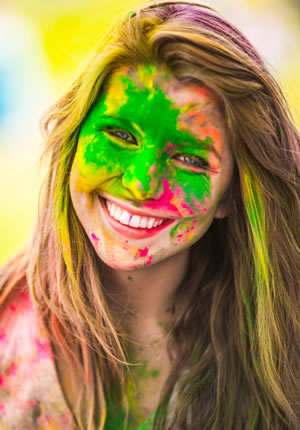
point(193, 161)
point(123, 135)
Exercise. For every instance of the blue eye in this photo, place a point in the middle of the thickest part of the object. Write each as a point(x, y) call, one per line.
point(193, 161)
point(123, 135)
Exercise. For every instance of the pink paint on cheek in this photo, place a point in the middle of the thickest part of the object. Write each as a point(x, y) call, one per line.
point(186, 210)
point(12, 308)
point(1, 381)
point(2, 337)
point(2, 409)
point(189, 211)
point(200, 207)
point(143, 252)
point(167, 201)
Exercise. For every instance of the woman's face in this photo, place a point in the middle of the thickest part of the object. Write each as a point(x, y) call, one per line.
point(151, 166)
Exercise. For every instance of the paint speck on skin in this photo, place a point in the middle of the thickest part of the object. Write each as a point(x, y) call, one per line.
point(149, 259)
point(12, 308)
point(1, 381)
point(154, 373)
point(143, 252)
point(2, 337)
point(43, 349)
point(95, 238)
point(2, 409)
point(12, 370)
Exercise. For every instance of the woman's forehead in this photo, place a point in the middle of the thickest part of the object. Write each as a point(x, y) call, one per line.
point(153, 78)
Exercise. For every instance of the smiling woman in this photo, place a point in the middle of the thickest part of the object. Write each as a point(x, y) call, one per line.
point(161, 287)
point(136, 184)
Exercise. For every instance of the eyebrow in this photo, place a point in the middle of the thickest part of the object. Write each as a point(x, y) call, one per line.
point(207, 144)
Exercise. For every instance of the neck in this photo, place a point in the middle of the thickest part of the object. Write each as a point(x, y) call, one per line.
point(144, 297)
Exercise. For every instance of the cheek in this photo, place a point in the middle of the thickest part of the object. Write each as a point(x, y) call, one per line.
point(189, 231)
point(193, 194)
point(89, 174)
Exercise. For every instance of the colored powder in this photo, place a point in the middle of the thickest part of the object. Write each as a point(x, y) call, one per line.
point(149, 259)
point(167, 201)
point(112, 156)
point(95, 237)
point(143, 252)
point(12, 370)
point(43, 349)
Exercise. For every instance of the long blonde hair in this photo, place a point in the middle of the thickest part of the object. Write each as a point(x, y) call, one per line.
point(239, 339)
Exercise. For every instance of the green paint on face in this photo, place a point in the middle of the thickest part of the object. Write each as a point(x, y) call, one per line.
point(134, 133)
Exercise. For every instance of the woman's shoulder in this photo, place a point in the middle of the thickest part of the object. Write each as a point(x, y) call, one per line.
point(30, 394)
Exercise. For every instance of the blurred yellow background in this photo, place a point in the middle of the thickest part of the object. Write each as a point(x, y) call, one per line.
point(41, 46)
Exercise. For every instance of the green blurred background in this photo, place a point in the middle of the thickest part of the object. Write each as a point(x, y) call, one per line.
point(41, 46)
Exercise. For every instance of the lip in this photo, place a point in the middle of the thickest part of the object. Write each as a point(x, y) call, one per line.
point(131, 232)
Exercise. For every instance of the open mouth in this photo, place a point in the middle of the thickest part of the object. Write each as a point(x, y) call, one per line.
point(127, 223)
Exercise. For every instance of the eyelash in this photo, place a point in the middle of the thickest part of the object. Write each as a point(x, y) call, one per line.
point(200, 162)
point(115, 132)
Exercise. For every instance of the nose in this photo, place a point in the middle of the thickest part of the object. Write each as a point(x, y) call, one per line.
point(144, 179)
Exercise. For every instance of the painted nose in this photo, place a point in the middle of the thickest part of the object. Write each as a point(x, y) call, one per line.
point(143, 180)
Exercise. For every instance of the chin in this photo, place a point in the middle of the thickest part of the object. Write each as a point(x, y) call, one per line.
point(122, 267)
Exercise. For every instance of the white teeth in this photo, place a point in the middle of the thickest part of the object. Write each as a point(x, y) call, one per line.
point(108, 204)
point(157, 223)
point(135, 221)
point(113, 209)
point(125, 217)
point(117, 214)
point(151, 221)
point(132, 220)
point(144, 222)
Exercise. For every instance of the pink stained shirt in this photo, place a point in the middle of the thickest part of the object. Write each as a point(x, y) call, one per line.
point(30, 394)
